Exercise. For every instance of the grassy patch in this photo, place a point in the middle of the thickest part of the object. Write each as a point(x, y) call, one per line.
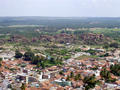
point(86, 57)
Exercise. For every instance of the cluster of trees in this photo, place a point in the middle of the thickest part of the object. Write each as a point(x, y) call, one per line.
point(115, 69)
point(90, 82)
point(23, 86)
point(106, 75)
point(55, 25)
point(28, 56)
point(18, 54)
point(78, 50)
point(94, 68)
point(104, 55)
point(0, 62)
point(75, 77)
point(80, 32)
point(113, 45)
point(40, 61)
point(63, 54)
point(57, 51)
point(91, 51)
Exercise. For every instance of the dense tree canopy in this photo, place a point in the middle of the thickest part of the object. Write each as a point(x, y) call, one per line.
point(106, 75)
point(90, 82)
point(115, 45)
point(115, 69)
point(29, 55)
point(18, 54)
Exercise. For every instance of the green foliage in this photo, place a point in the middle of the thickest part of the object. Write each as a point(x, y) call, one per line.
point(32, 27)
point(68, 78)
point(28, 56)
point(105, 55)
point(0, 62)
point(12, 69)
point(9, 86)
point(78, 50)
point(61, 53)
point(0, 59)
point(38, 65)
point(36, 60)
point(61, 73)
point(43, 65)
point(106, 75)
point(66, 57)
point(23, 65)
point(94, 68)
point(106, 46)
point(115, 45)
point(115, 69)
point(41, 61)
point(77, 77)
point(52, 60)
point(90, 82)
point(110, 80)
point(18, 54)
point(71, 75)
point(92, 52)
point(64, 51)
point(23, 86)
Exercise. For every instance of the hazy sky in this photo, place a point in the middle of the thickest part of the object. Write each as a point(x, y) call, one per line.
point(66, 8)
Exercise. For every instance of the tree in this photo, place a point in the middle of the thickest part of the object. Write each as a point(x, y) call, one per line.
point(92, 52)
point(90, 82)
point(106, 46)
point(61, 73)
point(115, 45)
point(0, 62)
point(115, 69)
point(9, 86)
point(52, 60)
point(23, 86)
point(68, 78)
point(29, 56)
point(106, 75)
point(36, 60)
point(0, 59)
point(18, 54)
point(77, 77)
point(38, 64)
point(71, 75)
point(43, 65)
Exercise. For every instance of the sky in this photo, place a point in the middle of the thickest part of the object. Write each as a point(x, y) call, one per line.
point(60, 8)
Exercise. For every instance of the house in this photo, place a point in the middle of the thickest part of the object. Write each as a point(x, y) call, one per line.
point(62, 82)
point(7, 56)
point(119, 60)
point(111, 86)
point(97, 73)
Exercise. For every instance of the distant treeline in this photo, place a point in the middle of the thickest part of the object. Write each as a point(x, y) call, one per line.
point(59, 22)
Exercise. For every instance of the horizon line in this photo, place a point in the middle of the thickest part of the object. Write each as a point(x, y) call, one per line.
point(68, 16)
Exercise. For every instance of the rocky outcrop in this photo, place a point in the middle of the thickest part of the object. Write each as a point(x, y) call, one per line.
point(18, 38)
point(60, 38)
point(91, 38)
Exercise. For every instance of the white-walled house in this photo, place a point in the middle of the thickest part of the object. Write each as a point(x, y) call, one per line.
point(7, 56)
